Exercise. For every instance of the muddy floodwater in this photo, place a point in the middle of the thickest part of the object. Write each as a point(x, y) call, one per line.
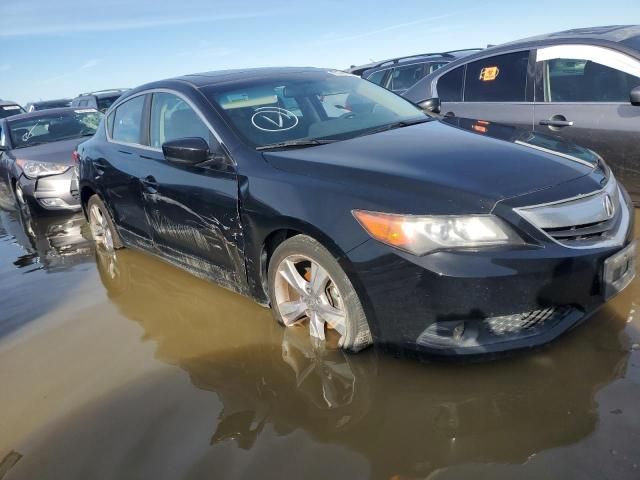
point(127, 368)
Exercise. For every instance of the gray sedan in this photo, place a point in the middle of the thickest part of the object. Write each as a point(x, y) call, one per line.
point(36, 156)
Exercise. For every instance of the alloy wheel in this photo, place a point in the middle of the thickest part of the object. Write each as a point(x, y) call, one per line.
point(100, 228)
point(306, 294)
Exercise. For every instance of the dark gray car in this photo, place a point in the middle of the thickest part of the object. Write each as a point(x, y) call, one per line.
point(36, 156)
point(580, 85)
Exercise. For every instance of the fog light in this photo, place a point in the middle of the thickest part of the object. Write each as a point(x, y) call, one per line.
point(53, 202)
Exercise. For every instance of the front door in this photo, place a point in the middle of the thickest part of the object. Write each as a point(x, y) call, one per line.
point(583, 97)
point(192, 210)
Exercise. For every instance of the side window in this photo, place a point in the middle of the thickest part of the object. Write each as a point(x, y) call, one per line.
point(377, 77)
point(127, 121)
point(173, 118)
point(83, 103)
point(403, 78)
point(502, 78)
point(450, 85)
point(584, 73)
point(432, 67)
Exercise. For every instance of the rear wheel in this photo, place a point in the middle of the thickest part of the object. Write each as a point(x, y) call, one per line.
point(102, 229)
point(309, 289)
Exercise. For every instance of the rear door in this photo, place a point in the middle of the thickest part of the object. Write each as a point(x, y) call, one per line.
point(497, 88)
point(193, 210)
point(583, 97)
point(122, 165)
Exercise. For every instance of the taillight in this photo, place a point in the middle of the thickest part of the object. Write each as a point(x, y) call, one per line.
point(75, 156)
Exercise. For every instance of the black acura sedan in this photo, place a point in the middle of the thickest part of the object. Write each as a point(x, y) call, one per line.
point(354, 215)
point(36, 156)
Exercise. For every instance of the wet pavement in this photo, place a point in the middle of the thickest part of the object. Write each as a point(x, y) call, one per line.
point(127, 368)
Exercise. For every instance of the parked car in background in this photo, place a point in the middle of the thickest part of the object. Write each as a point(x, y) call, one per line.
point(398, 74)
point(101, 100)
point(580, 85)
point(36, 162)
point(368, 224)
point(47, 104)
point(9, 108)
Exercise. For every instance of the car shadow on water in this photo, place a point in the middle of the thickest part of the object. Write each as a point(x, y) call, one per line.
point(270, 403)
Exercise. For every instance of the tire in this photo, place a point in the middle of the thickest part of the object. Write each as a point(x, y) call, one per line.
point(99, 232)
point(320, 302)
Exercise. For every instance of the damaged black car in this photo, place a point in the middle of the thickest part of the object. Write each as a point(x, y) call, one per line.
point(357, 217)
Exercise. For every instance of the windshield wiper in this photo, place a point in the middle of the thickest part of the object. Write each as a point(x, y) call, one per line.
point(303, 142)
point(400, 124)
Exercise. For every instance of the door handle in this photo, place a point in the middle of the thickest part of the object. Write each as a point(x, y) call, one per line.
point(150, 184)
point(556, 122)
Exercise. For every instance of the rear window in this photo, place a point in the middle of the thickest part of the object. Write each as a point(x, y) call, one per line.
point(28, 132)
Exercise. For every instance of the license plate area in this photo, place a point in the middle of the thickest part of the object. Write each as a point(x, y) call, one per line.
point(619, 270)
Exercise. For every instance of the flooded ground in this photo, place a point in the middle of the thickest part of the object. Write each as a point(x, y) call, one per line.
point(127, 368)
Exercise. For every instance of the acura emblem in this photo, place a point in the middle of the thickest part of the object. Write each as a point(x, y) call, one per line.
point(609, 209)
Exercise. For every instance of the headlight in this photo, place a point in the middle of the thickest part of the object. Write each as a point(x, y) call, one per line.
point(39, 169)
point(423, 234)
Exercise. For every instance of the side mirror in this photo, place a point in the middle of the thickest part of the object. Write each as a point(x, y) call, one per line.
point(432, 105)
point(186, 151)
point(634, 96)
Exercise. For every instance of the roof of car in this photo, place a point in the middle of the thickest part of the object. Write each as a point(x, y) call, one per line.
point(625, 34)
point(47, 102)
point(220, 76)
point(104, 93)
point(434, 56)
point(7, 102)
point(44, 113)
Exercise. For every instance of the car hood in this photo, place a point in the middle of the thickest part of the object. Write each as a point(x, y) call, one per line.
point(54, 152)
point(447, 158)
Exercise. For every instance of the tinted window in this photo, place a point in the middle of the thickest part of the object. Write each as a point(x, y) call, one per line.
point(104, 103)
point(579, 80)
point(127, 121)
point(173, 118)
point(377, 77)
point(502, 78)
point(450, 85)
point(404, 77)
point(83, 103)
point(432, 67)
point(8, 110)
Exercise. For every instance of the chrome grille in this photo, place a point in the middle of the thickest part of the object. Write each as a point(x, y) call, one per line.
point(597, 219)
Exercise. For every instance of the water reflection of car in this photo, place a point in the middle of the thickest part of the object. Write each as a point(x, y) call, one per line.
point(376, 224)
point(36, 161)
point(53, 242)
point(402, 417)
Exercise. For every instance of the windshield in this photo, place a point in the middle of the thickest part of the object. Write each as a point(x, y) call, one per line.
point(27, 132)
point(314, 105)
point(9, 110)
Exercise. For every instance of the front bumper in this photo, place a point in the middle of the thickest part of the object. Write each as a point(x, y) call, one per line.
point(53, 192)
point(476, 302)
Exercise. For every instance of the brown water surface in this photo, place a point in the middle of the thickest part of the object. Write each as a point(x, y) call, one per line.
point(127, 368)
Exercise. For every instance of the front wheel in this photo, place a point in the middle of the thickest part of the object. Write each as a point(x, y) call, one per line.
point(308, 288)
point(102, 229)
